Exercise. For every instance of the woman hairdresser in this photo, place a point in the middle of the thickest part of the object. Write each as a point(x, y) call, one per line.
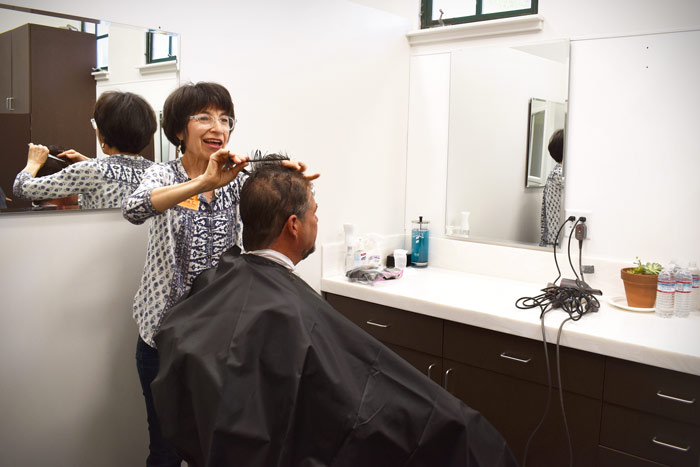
point(193, 204)
point(124, 123)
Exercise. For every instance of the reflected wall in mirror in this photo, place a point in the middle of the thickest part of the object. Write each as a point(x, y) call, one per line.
point(53, 69)
point(490, 93)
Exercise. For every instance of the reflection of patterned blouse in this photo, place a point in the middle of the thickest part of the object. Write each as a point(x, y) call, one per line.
point(551, 206)
point(101, 183)
point(182, 241)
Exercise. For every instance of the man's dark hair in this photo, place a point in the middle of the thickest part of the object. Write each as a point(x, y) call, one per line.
point(191, 99)
point(556, 145)
point(271, 194)
point(125, 121)
point(52, 166)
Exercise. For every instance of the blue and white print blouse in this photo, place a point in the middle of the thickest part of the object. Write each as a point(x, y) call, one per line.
point(182, 241)
point(550, 216)
point(100, 183)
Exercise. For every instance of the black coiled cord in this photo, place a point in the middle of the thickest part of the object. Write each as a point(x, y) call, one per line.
point(576, 303)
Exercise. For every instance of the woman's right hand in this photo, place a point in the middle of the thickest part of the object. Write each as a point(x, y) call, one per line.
point(223, 167)
point(36, 158)
point(220, 171)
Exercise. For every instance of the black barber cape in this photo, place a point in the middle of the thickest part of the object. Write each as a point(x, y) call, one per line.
point(257, 369)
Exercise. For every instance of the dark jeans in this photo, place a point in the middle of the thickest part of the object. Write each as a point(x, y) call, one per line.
point(160, 452)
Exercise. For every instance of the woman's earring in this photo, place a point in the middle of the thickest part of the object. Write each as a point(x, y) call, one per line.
point(177, 148)
point(102, 146)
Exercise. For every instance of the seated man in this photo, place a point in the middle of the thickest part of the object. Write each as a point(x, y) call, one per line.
point(258, 369)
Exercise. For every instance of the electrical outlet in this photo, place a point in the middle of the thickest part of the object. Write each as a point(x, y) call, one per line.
point(578, 213)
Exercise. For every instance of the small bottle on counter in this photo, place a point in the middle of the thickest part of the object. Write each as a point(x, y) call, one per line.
point(684, 286)
point(665, 293)
point(695, 294)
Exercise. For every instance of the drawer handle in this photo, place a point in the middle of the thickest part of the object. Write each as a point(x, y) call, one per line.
point(379, 325)
point(677, 448)
point(430, 369)
point(505, 355)
point(447, 374)
point(677, 399)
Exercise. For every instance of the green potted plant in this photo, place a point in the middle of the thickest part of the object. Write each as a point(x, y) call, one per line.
point(640, 284)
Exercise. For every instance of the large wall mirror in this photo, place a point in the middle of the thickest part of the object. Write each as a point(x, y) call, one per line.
point(53, 67)
point(505, 102)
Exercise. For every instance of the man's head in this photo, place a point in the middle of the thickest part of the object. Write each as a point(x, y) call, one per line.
point(279, 211)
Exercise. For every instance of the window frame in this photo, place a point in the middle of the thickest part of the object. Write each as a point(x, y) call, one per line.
point(149, 49)
point(427, 22)
point(103, 37)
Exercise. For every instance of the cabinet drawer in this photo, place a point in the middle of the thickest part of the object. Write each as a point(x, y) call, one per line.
point(581, 372)
point(391, 325)
point(611, 458)
point(515, 407)
point(655, 390)
point(649, 436)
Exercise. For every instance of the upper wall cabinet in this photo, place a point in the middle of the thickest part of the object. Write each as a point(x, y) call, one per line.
point(14, 56)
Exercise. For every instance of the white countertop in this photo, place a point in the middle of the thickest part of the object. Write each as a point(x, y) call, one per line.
point(489, 303)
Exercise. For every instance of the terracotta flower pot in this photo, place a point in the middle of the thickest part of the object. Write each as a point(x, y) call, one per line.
point(639, 288)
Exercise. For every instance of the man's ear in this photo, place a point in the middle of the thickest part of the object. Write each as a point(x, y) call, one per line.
point(293, 225)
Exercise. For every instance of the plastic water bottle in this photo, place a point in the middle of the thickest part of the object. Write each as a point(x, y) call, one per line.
point(665, 293)
point(695, 294)
point(684, 286)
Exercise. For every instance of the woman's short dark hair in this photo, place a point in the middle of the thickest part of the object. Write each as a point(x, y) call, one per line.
point(125, 121)
point(556, 145)
point(271, 194)
point(190, 99)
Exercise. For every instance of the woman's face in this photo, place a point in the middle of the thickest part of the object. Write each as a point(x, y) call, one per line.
point(202, 139)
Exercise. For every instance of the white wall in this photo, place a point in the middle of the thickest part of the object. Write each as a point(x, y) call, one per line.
point(324, 80)
point(628, 125)
point(69, 393)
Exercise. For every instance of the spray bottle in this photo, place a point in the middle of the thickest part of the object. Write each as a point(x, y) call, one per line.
point(349, 247)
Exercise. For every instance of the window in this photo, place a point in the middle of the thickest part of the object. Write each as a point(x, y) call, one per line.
point(447, 12)
point(160, 47)
point(101, 32)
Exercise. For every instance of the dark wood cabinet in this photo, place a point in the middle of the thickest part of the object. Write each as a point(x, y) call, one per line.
point(48, 95)
point(651, 413)
point(505, 377)
point(618, 413)
point(14, 53)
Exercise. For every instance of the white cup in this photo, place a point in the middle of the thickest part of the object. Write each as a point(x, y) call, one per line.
point(400, 258)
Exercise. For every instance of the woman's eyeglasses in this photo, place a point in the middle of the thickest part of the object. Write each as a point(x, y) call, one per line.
point(209, 121)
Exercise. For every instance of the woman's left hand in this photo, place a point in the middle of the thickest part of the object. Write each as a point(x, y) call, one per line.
point(300, 167)
point(36, 158)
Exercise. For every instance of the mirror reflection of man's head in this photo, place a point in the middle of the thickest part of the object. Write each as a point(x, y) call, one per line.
point(556, 145)
point(54, 165)
point(274, 198)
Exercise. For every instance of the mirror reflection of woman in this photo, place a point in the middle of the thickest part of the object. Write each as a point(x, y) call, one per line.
point(553, 193)
point(124, 124)
point(192, 204)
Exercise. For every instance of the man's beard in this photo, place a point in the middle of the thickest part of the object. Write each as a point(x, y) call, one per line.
point(306, 253)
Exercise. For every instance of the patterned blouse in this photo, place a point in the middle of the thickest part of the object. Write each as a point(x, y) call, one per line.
point(551, 206)
point(100, 183)
point(183, 241)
